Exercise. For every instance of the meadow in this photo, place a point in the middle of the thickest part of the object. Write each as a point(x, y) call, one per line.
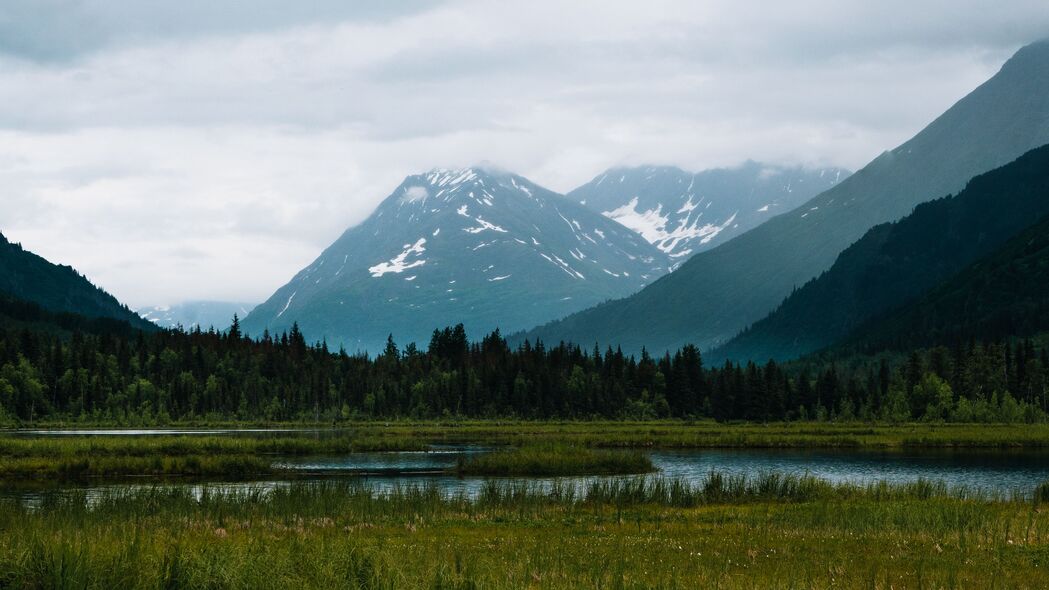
point(767, 531)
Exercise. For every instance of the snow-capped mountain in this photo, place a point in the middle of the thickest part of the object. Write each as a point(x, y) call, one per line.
point(193, 314)
point(484, 248)
point(682, 213)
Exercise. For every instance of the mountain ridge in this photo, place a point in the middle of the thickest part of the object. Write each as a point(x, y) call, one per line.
point(478, 246)
point(897, 261)
point(196, 313)
point(717, 293)
point(682, 212)
point(57, 288)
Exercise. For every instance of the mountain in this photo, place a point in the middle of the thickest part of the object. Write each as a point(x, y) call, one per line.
point(19, 315)
point(28, 277)
point(480, 247)
point(193, 314)
point(716, 293)
point(1004, 295)
point(682, 213)
point(895, 262)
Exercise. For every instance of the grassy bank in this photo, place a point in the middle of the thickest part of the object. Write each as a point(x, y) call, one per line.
point(182, 445)
point(682, 434)
point(75, 458)
point(413, 435)
point(239, 456)
point(555, 460)
point(766, 532)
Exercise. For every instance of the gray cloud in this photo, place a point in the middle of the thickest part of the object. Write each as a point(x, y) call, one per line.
point(208, 150)
point(61, 30)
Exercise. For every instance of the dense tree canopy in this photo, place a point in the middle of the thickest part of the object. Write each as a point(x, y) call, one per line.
point(106, 373)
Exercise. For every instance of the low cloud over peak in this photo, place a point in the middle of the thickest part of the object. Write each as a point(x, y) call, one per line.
point(252, 134)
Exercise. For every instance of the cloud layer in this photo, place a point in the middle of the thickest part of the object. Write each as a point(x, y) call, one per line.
point(208, 149)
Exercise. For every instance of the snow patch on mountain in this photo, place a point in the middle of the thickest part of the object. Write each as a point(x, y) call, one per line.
point(493, 227)
point(398, 263)
point(482, 226)
point(652, 225)
point(287, 304)
point(682, 212)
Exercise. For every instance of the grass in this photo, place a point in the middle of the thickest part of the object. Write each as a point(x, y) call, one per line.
point(183, 445)
point(555, 460)
point(591, 444)
point(415, 435)
point(681, 434)
point(769, 531)
point(76, 457)
point(82, 467)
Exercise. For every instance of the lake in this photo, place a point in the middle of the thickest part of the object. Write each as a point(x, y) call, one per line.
point(1005, 471)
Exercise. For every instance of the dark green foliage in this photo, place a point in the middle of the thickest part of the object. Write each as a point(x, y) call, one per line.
point(30, 278)
point(127, 377)
point(896, 262)
point(16, 313)
point(1041, 493)
point(1003, 295)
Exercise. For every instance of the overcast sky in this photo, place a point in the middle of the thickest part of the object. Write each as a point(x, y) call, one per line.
point(209, 149)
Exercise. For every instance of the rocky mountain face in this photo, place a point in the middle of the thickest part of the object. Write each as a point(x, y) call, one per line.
point(196, 314)
point(683, 213)
point(485, 248)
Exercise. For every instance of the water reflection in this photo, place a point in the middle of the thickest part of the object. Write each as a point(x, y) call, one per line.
point(88, 432)
point(1004, 471)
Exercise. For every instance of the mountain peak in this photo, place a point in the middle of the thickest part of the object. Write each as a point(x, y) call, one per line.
point(486, 248)
point(450, 177)
point(1031, 55)
point(682, 212)
point(473, 184)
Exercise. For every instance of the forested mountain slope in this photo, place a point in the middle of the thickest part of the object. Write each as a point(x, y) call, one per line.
point(29, 277)
point(717, 293)
point(895, 262)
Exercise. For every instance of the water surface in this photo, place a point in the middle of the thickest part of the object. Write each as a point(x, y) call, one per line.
point(1004, 471)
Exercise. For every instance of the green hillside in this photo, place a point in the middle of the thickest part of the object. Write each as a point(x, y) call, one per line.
point(896, 262)
point(1001, 296)
point(57, 288)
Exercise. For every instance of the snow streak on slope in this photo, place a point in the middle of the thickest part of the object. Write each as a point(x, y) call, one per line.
point(498, 252)
point(682, 213)
point(399, 263)
point(652, 225)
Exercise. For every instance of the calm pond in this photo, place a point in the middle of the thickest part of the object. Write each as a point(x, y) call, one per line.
point(1003, 471)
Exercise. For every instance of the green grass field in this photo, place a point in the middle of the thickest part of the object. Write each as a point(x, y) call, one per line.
point(682, 434)
point(766, 532)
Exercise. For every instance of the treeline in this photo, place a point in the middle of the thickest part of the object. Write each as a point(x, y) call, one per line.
point(131, 377)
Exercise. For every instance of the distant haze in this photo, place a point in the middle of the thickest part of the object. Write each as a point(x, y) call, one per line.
point(209, 149)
